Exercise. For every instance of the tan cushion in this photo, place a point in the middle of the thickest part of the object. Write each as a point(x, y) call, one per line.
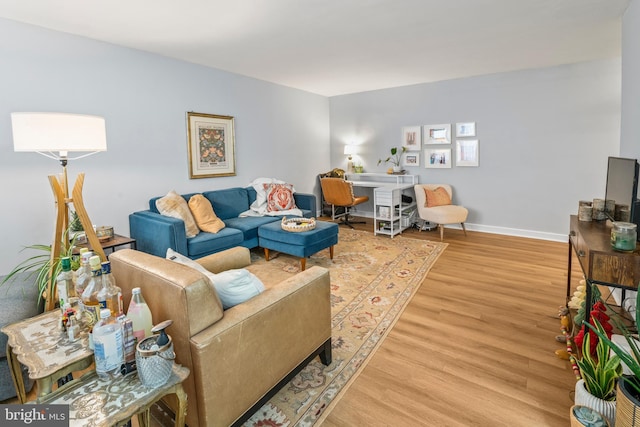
point(175, 206)
point(279, 197)
point(437, 197)
point(204, 215)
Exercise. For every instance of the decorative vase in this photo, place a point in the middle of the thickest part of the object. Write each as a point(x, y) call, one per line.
point(628, 407)
point(605, 407)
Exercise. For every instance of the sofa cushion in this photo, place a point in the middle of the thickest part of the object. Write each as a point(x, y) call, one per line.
point(228, 203)
point(203, 213)
point(233, 286)
point(175, 206)
point(208, 243)
point(279, 197)
point(249, 224)
point(437, 197)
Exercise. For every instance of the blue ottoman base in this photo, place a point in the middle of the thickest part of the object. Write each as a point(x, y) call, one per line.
point(300, 244)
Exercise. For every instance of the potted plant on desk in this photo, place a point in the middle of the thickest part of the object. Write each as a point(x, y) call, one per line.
point(394, 158)
point(628, 387)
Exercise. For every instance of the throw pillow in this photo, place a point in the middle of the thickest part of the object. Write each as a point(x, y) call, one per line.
point(279, 197)
point(437, 197)
point(204, 214)
point(175, 206)
point(232, 286)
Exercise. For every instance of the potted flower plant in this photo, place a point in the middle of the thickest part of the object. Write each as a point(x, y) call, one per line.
point(628, 388)
point(596, 389)
point(394, 158)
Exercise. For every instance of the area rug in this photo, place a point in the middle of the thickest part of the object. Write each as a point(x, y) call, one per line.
point(372, 280)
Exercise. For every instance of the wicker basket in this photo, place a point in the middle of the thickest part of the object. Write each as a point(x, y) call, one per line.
point(298, 225)
point(627, 409)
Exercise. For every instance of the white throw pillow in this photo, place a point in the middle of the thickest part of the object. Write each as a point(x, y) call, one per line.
point(232, 286)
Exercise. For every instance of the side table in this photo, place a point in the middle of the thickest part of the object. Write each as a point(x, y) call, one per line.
point(94, 402)
point(40, 345)
point(112, 243)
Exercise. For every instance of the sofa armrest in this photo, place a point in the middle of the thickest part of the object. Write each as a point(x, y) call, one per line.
point(257, 343)
point(154, 233)
point(228, 259)
point(306, 201)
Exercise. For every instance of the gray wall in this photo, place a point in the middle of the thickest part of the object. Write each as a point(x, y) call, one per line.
point(630, 140)
point(544, 134)
point(280, 132)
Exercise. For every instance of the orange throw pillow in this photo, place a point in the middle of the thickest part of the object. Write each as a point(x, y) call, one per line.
point(437, 197)
point(204, 215)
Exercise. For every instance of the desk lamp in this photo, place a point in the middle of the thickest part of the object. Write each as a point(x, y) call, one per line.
point(55, 135)
point(349, 150)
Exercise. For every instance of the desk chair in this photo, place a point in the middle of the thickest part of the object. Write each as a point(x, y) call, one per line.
point(338, 192)
point(444, 212)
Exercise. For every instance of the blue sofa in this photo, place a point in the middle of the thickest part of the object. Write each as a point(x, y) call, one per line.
point(154, 233)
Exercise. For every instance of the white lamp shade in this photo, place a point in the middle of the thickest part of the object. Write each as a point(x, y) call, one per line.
point(349, 150)
point(50, 132)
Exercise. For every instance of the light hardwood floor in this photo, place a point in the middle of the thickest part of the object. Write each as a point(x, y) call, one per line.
point(475, 346)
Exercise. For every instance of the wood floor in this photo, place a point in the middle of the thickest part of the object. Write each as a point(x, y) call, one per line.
point(475, 346)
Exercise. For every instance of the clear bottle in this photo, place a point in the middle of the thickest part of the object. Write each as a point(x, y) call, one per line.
point(90, 302)
point(83, 274)
point(108, 349)
point(73, 328)
point(110, 293)
point(140, 315)
point(64, 284)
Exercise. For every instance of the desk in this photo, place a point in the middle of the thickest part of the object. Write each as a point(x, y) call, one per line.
point(391, 215)
point(40, 345)
point(93, 402)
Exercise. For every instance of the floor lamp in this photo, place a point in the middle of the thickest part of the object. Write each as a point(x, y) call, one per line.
point(55, 135)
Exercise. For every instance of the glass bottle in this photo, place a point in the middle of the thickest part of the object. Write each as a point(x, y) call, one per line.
point(64, 284)
point(83, 274)
point(140, 315)
point(108, 348)
point(110, 293)
point(90, 301)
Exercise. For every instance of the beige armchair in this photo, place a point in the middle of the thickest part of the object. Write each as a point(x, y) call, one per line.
point(443, 214)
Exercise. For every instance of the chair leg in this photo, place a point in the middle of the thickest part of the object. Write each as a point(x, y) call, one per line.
point(463, 229)
point(441, 227)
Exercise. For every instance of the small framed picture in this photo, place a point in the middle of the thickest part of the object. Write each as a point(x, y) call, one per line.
point(411, 159)
point(437, 158)
point(411, 138)
point(465, 129)
point(437, 134)
point(467, 152)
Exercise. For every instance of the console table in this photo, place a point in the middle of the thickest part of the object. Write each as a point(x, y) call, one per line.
point(591, 243)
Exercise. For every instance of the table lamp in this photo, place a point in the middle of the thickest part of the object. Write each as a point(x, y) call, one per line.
point(349, 151)
point(55, 135)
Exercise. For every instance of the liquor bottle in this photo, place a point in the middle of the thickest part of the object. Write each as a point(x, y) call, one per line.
point(110, 292)
point(83, 274)
point(90, 301)
point(64, 284)
point(108, 348)
point(140, 315)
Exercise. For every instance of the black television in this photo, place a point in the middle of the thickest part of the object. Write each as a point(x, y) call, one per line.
point(622, 187)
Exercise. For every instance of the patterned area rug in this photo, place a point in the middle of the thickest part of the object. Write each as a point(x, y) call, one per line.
point(372, 280)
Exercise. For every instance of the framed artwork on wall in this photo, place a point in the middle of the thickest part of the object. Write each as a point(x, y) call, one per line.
point(437, 158)
point(465, 129)
point(437, 134)
point(211, 143)
point(467, 152)
point(411, 138)
point(411, 159)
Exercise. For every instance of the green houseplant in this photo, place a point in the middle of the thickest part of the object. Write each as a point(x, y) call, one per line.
point(628, 388)
point(395, 157)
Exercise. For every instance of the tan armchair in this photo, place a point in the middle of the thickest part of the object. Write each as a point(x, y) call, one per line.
point(338, 192)
point(441, 215)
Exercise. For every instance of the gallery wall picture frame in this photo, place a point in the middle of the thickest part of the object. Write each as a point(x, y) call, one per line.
point(467, 152)
point(465, 129)
point(437, 158)
point(411, 159)
point(411, 138)
point(437, 134)
point(211, 143)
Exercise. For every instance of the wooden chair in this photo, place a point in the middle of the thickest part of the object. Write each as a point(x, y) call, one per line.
point(441, 215)
point(338, 192)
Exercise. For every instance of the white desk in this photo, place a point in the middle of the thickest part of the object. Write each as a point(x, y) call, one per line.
point(391, 216)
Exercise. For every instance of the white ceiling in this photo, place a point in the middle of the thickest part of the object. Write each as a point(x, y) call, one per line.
point(333, 47)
